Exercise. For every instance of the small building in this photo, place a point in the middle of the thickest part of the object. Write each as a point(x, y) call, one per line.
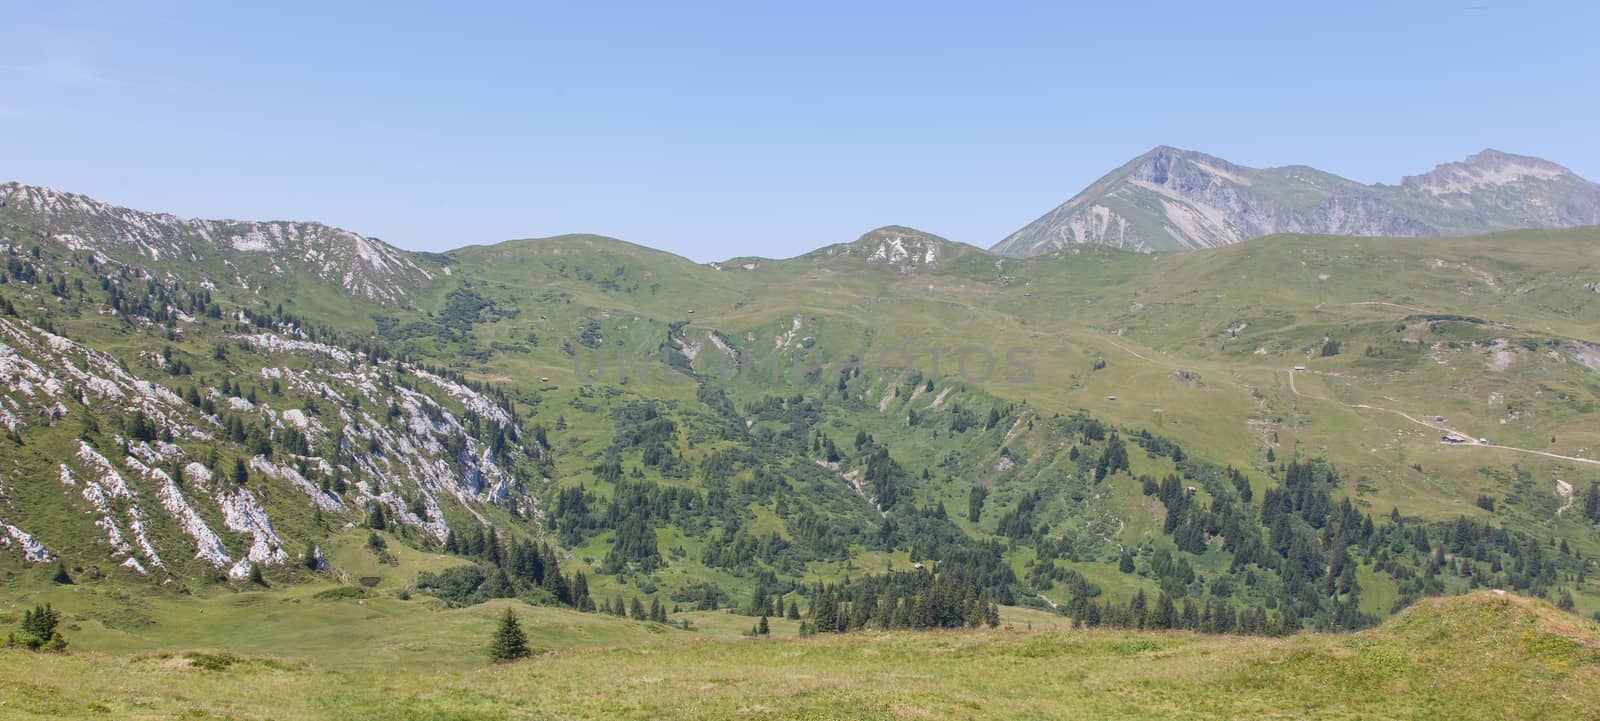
point(1111, 398)
point(1299, 368)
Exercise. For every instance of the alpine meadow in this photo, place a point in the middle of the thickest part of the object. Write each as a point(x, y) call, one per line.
point(1204, 441)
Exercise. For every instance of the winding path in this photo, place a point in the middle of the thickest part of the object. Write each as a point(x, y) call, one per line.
point(1436, 426)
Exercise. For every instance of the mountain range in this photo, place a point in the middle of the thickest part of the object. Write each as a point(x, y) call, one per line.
point(196, 405)
point(1172, 199)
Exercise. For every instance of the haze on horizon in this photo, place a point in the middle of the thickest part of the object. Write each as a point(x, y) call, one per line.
point(715, 131)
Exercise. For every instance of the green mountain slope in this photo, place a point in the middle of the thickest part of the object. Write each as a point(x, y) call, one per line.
point(581, 421)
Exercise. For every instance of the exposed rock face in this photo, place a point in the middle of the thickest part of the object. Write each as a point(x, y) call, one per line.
point(233, 251)
point(153, 505)
point(1172, 199)
point(906, 249)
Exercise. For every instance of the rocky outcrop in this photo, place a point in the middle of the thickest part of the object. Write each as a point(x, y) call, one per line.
point(228, 251)
point(905, 249)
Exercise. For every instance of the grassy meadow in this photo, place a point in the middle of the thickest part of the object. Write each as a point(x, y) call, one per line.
point(1477, 656)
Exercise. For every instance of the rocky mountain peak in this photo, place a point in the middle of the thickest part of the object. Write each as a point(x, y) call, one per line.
point(899, 246)
point(1489, 168)
point(1174, 199)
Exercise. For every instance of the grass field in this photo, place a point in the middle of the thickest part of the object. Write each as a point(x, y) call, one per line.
point(1478, 656)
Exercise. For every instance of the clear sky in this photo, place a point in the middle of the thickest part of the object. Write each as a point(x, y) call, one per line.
point(740, 128)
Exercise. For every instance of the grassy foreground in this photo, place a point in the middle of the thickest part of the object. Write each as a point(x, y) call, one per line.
point(1478, 656)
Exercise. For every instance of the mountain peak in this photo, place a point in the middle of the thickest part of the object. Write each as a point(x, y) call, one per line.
point(900, 246)
point(1175, 199)
point(1488, 168)
point(1491, 156)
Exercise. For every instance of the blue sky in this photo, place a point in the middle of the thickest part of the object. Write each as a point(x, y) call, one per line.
point(722, 129)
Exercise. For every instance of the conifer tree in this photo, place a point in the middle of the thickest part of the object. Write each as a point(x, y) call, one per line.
point(38, 631)
point(510, 642)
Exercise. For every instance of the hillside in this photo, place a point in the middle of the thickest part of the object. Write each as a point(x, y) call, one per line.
point(1172, 199)
point(581, 422)
point(1480, 656)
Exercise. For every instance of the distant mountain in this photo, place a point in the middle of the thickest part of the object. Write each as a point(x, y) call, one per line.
point(1172, 199)
point(896, 247)
point(242, 251)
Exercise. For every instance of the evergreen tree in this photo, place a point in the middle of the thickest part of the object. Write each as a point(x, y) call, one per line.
point(510, 642)
point(580, 590)
point(38, 630)
point(375, 519)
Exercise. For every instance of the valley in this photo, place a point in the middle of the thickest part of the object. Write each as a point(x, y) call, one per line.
point(309, 450)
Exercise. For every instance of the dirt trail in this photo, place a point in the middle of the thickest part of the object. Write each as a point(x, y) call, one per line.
point(1392, 305)
point(1435, 426)
point(1175, 363)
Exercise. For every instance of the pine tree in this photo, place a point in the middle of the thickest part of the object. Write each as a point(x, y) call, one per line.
point(762, 629)
point(580, 591)
point(375, 519)
point(61, 576)
point(38, 630)
point(510, 642)
point(255, 575)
